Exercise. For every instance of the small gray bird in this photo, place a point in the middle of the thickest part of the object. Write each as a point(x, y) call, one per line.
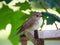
point(33, 23)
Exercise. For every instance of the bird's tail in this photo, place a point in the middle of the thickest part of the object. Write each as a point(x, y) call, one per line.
point(18, 34)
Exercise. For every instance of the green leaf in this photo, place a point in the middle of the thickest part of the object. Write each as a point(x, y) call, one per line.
point(47, 3)
point(16, 19)
point(58, 10)
point(24, 5)
point(40, 4)
point(5, 15)
point(51, 18)
point(52, 3)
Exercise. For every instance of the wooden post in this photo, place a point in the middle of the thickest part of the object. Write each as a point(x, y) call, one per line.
point(23, 40)
point(39, 41)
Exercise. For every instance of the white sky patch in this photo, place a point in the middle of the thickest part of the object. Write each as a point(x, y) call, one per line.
point(49, 27)
point(12, 3)
point(4, 2)
point(14, 8)
point(29, 43)
point(38, 10)
point(26, 11)
point(4, 33)
point(1, 5)
point(53, 12)
point(22, 1)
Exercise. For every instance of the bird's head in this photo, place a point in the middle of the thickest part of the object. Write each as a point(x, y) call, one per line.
point(37, 14)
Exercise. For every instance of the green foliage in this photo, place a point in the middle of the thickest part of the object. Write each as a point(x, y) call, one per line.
point(47, 3)
point(51, 18)
point(5, 14)
point(16, 19)
point(24, 5)
point(39, 4)
point(52, 3)
point(58, 10)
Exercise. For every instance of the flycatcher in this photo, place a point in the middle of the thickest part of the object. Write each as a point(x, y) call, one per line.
point(33, 23)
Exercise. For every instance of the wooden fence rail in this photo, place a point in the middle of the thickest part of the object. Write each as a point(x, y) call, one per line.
point(40, 36)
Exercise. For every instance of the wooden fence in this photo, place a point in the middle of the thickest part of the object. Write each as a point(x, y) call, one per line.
point(40, 36)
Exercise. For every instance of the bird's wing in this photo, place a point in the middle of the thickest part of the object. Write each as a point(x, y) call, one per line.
point(27, 24)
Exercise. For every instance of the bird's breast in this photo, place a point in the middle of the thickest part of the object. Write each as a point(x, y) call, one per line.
point(36, 25)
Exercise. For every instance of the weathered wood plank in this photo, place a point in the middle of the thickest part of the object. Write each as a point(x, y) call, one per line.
point(48, 34)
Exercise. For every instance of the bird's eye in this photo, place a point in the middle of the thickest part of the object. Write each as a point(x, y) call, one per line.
point(37, 15)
